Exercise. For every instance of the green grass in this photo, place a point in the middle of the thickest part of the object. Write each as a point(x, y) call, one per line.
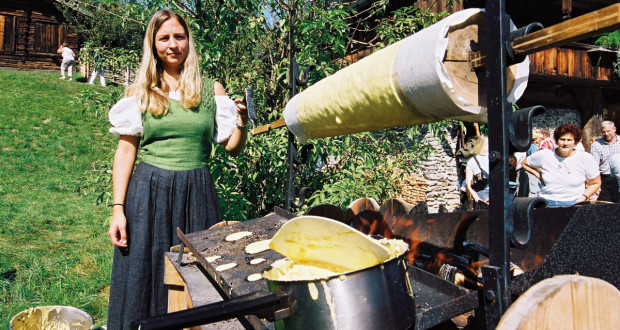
point(54, 249)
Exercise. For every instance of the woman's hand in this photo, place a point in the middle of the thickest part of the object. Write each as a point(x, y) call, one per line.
point(242, 111)
point(118, 227)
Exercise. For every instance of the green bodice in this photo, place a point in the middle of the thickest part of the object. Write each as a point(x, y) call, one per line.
point(182, 139)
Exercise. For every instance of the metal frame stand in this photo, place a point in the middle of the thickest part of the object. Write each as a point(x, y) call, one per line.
point(508, 132)
point(292, 152)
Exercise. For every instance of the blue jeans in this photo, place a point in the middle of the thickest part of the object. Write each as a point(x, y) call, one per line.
point(551, 203)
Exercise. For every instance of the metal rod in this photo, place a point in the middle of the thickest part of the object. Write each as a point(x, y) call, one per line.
point(496, 287)
point(292, 149)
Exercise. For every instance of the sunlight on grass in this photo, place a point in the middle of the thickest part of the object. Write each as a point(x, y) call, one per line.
point(53, 244)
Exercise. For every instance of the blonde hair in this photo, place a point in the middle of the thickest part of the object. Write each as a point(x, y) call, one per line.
point(482, 146)
point(150, 87)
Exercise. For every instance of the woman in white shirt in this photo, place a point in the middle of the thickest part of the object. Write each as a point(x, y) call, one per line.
point(565, 171)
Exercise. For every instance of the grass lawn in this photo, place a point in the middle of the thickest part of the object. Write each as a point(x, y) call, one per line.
point(54, 249)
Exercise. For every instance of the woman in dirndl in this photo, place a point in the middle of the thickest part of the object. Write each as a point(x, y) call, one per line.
point(172, 115)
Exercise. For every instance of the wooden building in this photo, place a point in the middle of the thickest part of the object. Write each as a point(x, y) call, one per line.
point(30, 33)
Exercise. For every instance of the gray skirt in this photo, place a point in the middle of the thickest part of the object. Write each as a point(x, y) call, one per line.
point(157, 202)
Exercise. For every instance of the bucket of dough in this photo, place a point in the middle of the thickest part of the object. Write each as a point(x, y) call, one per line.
point(423, 78)
point(52, 318)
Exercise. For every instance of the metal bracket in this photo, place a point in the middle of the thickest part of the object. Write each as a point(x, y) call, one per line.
point(522, 226)
point(492, 282)
point(293, 158)
point(520, 32)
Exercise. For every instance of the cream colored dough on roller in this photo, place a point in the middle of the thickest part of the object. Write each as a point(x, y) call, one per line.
point(407, 83)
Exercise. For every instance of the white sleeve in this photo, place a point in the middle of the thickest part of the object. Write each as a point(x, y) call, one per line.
point(614, 165)
point(126, 118)
point(591, 166)
point(536, 159)
point(225, 118)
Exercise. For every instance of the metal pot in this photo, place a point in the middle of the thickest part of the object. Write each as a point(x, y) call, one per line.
point(378, 297)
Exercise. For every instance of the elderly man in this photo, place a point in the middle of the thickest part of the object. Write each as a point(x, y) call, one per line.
point(602, 150)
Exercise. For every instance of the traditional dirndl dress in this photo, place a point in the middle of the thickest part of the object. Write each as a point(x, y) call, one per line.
point(170, 188)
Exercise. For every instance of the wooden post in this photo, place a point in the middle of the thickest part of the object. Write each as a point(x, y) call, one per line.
point(178, 294)
point(590, 103)
point(567, 8)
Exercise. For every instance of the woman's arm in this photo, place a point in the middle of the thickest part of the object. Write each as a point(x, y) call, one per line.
point(124, 159)
point(236, 142)
point(593, 187)
point(469, 179)
point(533, 170)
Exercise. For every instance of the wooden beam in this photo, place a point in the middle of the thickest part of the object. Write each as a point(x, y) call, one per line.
point(266, 128)
point(578, 28)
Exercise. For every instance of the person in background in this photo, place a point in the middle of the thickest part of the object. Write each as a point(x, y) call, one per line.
point(178, 115)
point(528, 183)
point(602, 149)
point(547, 142)
point(564, 171)
point(98, 66)
point(478, 164)
point(68, 61)
point(614, 168)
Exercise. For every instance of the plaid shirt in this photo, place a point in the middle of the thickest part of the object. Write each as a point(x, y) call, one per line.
point(602, 151)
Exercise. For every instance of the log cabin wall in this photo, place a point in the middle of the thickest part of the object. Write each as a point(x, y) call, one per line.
point(30, 34)
point(574, 63)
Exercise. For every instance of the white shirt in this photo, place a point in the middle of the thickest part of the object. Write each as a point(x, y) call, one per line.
point(473, 165)
point(614, 166)
point(564, 178)
point(126, 118)
point(67, 54)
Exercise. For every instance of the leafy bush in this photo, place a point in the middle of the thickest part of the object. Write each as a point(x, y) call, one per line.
point(611, 40)
point(98, 180)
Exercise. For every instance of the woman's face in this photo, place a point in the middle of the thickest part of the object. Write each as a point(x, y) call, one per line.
point(171, 44)
point(566, 143)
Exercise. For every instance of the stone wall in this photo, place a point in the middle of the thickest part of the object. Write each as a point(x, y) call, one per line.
point(553, 118)
point(440, 172)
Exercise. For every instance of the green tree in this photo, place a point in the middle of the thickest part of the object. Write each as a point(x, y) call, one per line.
point(248, 43)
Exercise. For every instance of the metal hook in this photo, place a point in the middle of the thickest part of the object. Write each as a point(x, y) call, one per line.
point(521, 130)
point(302, 197)
point(305, 76)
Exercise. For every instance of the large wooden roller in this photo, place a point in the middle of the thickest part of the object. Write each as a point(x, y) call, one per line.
point(430, 76)
point(423, 78)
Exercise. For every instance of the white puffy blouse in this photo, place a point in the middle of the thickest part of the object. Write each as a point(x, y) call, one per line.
point(126, 118)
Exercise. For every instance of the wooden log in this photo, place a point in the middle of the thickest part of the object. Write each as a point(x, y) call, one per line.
point(562, 62)
point(266, 128)
point(565, 302)
point(570, 62)
point(551, 61)
point(586, 67)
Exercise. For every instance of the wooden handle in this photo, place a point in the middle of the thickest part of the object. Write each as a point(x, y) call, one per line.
point(578, 28)
point(266, 128)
